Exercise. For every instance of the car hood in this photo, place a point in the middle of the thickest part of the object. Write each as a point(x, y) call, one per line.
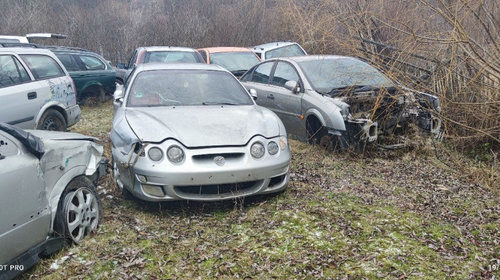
point(203, 126)
point(57, 135)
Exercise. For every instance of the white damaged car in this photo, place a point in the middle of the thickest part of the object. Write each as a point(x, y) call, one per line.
point(192, 132)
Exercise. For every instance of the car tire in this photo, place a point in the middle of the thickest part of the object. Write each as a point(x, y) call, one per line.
point(79, 211)
point(93, 96)
point(52, 120)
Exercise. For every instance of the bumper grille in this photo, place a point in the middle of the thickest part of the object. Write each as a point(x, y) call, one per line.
point(217, 189)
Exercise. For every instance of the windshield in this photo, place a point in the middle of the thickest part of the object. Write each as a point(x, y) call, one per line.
point(290, 50)
point(170, 57)
point(185, 88)
point(327, 74)
point(234, 61)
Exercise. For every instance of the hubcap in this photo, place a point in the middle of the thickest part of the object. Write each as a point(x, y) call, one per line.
point(82, 213)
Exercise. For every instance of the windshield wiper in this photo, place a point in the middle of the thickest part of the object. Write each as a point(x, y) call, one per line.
point(217, 103)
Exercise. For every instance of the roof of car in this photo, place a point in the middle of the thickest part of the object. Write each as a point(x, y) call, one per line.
point(166, 48)
point(272, 45)
point(178, 66)
point(315, 57)
point(25, 50)
point(225, 49)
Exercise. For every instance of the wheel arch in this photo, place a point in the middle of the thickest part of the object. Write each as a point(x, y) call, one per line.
point(51, 106)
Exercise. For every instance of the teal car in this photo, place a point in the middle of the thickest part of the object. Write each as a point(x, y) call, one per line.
point(93, 76)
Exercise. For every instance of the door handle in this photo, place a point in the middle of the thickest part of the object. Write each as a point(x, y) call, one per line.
point(31, 95)
point(270, 96)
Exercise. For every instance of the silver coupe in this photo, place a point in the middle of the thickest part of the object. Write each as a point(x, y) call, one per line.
point(192, 132)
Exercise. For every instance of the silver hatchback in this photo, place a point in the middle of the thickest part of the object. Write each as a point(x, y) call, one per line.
point(192, 131)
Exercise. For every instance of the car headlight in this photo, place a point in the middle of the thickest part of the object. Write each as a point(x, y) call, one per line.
point(272, 148)
point(155, 154)
point(175, 154)
point(283, 143)
point(257, 150)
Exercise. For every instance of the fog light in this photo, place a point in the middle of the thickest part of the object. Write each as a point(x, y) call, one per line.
point(153, 190)
point(142, 178)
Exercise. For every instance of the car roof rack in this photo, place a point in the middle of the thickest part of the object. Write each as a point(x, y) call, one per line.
point(19, 45)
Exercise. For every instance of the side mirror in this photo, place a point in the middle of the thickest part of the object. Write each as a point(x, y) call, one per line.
point(253, 93)
point(120, 65)
point(293, 86)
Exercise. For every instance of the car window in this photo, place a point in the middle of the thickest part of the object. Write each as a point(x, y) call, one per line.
point(68, 62)
point(132, 60)
point(234, 61)
point(42, 66)
point(290, 50)
point(203, 54)
point(262, 72)
point(284, 72)
point(328, 74)
point(185, 88)
point(170, 57)
point(12, 71)
point(92, 63)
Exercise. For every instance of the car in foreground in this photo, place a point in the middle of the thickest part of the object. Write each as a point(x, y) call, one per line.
point(94, 77)
point(47, 195)
point(156, 54)
point(278, 49)
point(192, 132)
point(36, 91)
point(338, 100)
point(236, 60)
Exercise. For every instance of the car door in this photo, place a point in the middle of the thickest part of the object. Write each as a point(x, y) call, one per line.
point(92, 71)
point(259, 79)
point(286, 103)
point(24, 212)
point(20, 96)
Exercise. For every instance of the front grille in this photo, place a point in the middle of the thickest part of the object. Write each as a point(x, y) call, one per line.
point(212, 156)
point(276, 180)
point(216, 189)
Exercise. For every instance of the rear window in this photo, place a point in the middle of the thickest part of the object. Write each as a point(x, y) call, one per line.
point(290, 50)
point(171, 57)
point(42, 66)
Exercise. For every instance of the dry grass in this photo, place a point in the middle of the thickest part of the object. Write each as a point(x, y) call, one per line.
point(405, 214)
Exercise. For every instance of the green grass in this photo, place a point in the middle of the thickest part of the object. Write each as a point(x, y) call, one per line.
point(341, 216)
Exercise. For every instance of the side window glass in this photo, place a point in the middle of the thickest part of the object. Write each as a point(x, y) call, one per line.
point(42, 66)
point(92, 63)
point(204, 55)
point(132, 60)
point(68, 62)
point(284, 72)
point(262, 73)
point(12, 71)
